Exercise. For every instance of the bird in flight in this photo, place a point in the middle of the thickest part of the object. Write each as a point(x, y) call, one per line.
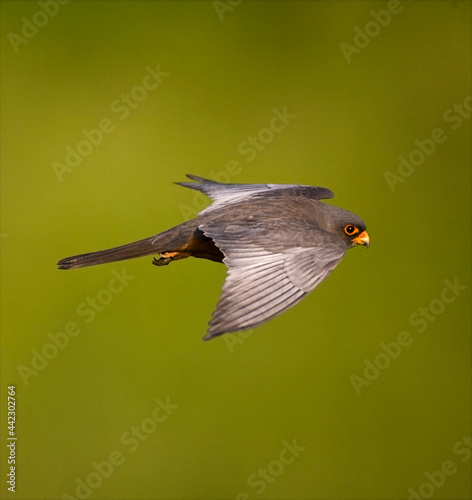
point(278, 242)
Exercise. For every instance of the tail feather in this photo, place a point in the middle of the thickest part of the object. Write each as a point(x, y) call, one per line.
point(167, 241)
point(130, 251)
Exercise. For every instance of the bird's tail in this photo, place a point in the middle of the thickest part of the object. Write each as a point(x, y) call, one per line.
point(167, 241)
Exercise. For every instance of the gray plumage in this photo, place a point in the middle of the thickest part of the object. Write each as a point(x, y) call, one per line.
point(277, 240)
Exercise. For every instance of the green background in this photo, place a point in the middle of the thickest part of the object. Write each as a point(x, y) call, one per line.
point(239, 397)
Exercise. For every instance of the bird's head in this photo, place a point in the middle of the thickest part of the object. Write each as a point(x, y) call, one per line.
point(348, 226)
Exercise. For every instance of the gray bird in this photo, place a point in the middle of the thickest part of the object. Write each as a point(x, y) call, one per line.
point(278, 241)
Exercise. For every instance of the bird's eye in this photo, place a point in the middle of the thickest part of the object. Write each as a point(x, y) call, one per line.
point(350, 229)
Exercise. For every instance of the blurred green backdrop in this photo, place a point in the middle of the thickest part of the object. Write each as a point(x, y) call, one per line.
point(132, 404)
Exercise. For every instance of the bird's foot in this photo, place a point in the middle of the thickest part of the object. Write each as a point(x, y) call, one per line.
point(167, 257)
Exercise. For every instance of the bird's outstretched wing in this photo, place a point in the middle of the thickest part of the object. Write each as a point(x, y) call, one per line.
point(264, 278)
point(223, 194)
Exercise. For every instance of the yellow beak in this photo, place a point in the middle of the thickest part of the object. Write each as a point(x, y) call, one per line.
point(362, 239)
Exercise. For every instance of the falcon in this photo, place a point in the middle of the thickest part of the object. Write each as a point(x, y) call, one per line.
point(278, 241)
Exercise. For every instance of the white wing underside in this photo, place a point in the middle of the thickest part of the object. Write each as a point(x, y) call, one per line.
point(261, 284)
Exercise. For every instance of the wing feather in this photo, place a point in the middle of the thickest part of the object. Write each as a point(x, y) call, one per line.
point(261, 283)
point(222, 193)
